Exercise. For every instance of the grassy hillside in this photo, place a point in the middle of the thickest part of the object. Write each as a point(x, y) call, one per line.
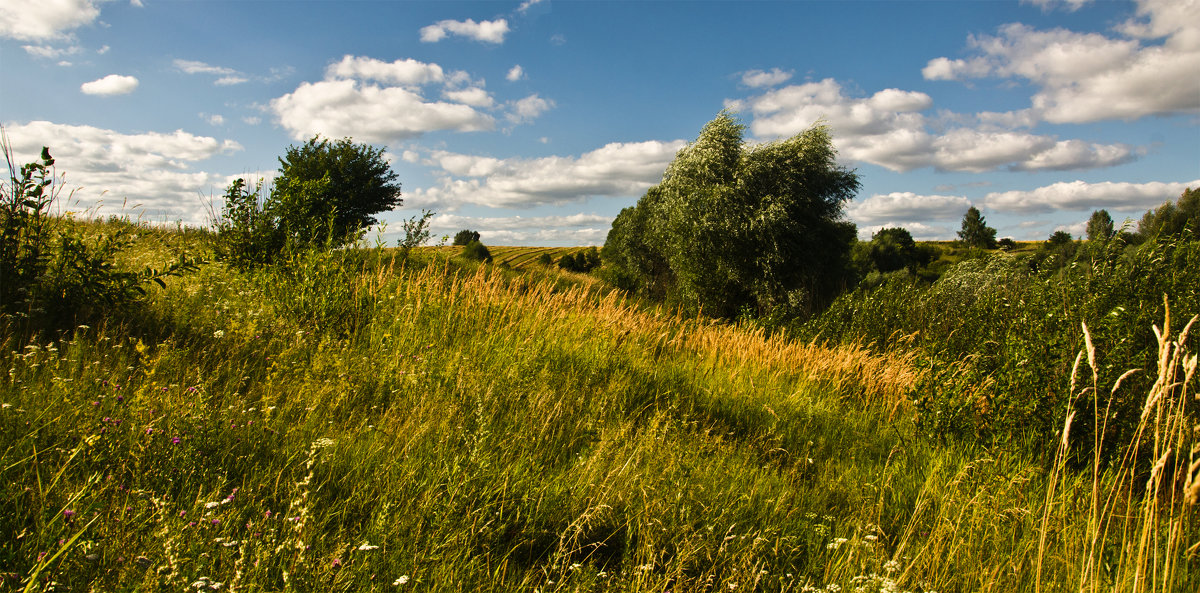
point(355, 422)
point(516, 257)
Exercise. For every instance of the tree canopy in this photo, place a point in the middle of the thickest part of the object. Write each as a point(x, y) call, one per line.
point(465, 236)
point(735, 228)
point(329, 191)
point(1100, 226)
point(1172, 219)
point(975, 231)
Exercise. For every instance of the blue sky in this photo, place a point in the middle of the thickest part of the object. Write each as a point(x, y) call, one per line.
point(536, 122)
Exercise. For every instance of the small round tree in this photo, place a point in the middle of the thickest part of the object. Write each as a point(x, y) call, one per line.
point(330, 191)
point(465, 236)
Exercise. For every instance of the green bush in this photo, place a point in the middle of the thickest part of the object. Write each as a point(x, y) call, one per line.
point(999, 335)
point(326, 195)
point(53, 275)
point(476, 251)
point(465, 236)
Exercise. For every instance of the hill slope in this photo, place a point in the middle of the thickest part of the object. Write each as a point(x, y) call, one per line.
point(352, 423)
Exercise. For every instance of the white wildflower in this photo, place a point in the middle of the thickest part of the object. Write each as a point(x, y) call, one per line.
point(219, 334)
point(400, 581)
point(836, 543)
point(366, 546)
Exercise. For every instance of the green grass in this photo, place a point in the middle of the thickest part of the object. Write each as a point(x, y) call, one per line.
point(357, 422)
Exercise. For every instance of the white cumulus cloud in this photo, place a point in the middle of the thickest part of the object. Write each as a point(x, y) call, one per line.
point(483, 31)
point(370, 113)
point(406, 72)
point(113, 84)
point(529, 108)
point(376, 101)
point(1082, 196)
point(44, 19)
point(881, 208)
point(617, 170)
point(890, 129)
point(515, 73)
point(1147, 68)
point(152, 170)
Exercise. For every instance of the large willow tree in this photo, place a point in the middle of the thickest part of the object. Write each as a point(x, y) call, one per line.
point(734, 228)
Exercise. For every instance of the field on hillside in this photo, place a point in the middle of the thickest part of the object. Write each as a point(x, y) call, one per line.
point(516, 257)
point(352, 421)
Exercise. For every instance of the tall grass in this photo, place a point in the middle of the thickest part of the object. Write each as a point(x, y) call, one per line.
point(416, 424)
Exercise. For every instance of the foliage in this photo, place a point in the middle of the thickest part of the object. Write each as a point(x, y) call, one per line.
point(325, 196)
point(249, 232)
point(1100, 226)
point(581, 261)
point(465, 236)
point(476, 251)
point(545, 259)
point(25, 227)
point(999, 334)
point(328, 192)
point(476, 430)
point(416, 232)
point(975, 231)
point(734, 229)
point(52, 274)
point(1181, 218)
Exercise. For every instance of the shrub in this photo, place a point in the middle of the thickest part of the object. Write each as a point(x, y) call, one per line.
point(545, 259)
point(51, 274)
point(416, 232)
point(248, 232)
point(465, 236)
point(476, 251)
point(999, 336)
point(326, 195)
point(329, 192)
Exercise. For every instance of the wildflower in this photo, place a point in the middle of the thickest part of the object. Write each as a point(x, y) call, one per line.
point(400, 581)
point(68, 514)
point(891, 566)
point(366, 546)
point(175, 440)
point(210, 505)
point(336, 563)
point(219, 334)
point(833, 588)
point(836, 543)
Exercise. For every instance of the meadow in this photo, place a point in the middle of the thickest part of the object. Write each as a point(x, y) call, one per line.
point(358, 420)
